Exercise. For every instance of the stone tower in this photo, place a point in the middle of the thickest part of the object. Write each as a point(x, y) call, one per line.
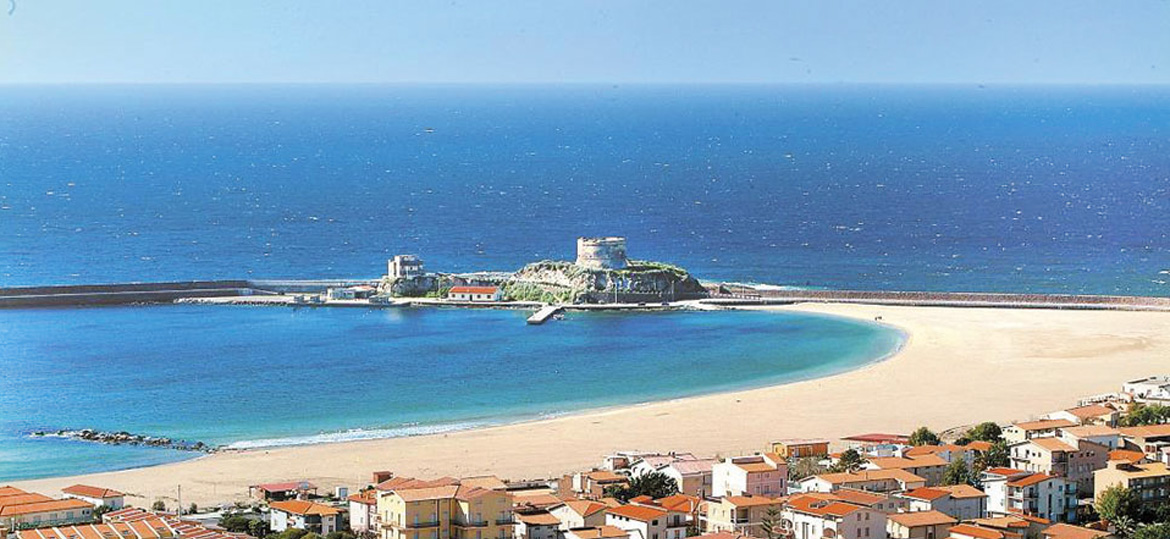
point(602, 253)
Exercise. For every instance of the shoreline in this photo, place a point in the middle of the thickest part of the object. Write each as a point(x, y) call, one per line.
point(897, 393)
point(482, 422)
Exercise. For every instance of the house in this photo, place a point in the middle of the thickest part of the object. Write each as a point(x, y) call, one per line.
point(1126, 455)
point(1030, 494)
point(303, 515)
point(20, 509)
point(971, 531)
point(873, 500)
point(929, 467)
point(692, 474)
point(1151, 481)
point(97, 496)
point(579, 514)
point(947, 452)
point(536, 525)
point(474, 293)
point(962, 502)
point(1053, 456)
point(1061, 530)
point(1019, 432)
point(681, 503)
point(446, 509)
point(404, 267)
point(591, 484)
point(351, 292)
point(884, 481)
point(363, 511)
point(759, 475)
point(811, 517)
point(1012, 526)
point(1149, 439)
point(740, 515)
point(275, 492)
point(919, 525)
point(1090, 414)
point(1152, 389)
point(795, 448)
point(600, 532)
point(645, 522)
point(1099, 434)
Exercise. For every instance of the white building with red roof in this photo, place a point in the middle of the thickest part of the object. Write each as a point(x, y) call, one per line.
point(645, 522)
point(811, 516)
point(304, 515)
point(98, 496)
point(474, 293)
point(1022, 493)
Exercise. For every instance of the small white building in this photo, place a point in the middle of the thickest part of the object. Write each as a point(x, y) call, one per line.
point(404, 267)
point(535, 525)
point(579, 514)
point(363, 511)
point(1153, 388)
point(1017, 492)
point(304, 515)
point(474, 293)
point(99, 497)
point(752, 475)
point(963, 502)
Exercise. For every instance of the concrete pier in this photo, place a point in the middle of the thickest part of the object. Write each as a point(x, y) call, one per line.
point(546, 312)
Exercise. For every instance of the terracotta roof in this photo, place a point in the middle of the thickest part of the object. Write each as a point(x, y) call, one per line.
point(1152, 469)
point(979, 445)
point(92, 492)
point(692, 467)
point(1052, 444)
point(1090, 411)
point(10, 490)
point(859, 497)
point(819, 506)
point(960, 492)
point(585, 507)
point(367, 497)
point(396, 483)
point(427, 493)
point(22, 498)
point(679, 502)
point(929, 459)
point(489, 482)
point(473, 290)
point(975, 531)
point(922, 518)
point(1007, 472)
point(1085, 431)
point(1030, 480)
point(751, 501)
point(640, 513)
point(1044, 424)
point(600, 532)
point(538, 519)
point(1126, 455)
point(1068, 531)
point(47, 506)
point(1147, 431)
point(641, 499)
point(926, 493)
point(302, 507)
point(1004, 522)
point(154, 528)
point(605, 476)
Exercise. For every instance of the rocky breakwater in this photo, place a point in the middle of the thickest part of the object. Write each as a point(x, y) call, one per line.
point(565, 282)
point(126, 438)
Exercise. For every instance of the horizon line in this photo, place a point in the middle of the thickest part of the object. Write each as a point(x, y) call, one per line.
point(585, 83)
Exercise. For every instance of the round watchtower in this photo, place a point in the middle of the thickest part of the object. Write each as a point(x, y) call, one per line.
point(601, 253)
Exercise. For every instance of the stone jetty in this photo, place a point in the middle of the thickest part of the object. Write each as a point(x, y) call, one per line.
point(126, 438)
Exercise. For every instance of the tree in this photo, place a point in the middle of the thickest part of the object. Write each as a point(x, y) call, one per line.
point(849, 461)
point(996, 456)
point(956, 473)
point(158, 505)
point(1119, 506)
point(1152, 531)
point(771, 522)
point(986, 431)
point(291, 533)
point(193, 509)
point(237, 523)
point(340, 535)
point(1145, 414)
point(802, 467)
point(654, 484)
point(259, 528)
point(923, 436)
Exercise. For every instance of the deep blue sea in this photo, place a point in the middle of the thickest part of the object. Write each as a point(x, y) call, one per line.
point(1039, 189)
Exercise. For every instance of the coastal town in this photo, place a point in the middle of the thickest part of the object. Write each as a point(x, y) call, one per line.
point(1096, 469)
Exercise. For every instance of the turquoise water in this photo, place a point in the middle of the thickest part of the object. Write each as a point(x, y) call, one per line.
point(263, 376)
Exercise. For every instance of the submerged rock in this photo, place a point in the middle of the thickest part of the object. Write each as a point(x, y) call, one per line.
point(126, 438)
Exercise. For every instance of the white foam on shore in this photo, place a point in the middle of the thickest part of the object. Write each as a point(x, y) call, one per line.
point(353, 435)
point(759, 286)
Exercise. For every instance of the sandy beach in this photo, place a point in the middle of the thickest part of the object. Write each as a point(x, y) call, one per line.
point(959, 366)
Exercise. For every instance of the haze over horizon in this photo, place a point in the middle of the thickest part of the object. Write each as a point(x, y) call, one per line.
point(526, 42)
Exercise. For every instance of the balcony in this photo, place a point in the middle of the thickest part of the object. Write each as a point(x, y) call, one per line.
point(505, 521)
point(414, 526)
point(469, 523)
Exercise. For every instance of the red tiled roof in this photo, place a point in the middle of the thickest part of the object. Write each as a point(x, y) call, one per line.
point(473, 290)
point(637, 512)
point(301, 507)
point(91, 492)
point(976, 531)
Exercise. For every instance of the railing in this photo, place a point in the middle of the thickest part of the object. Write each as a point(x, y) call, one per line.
point(416, 525)
point(505, 521)
point(469, 524)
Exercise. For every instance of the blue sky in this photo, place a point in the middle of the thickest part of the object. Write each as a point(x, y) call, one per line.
point(551, 41)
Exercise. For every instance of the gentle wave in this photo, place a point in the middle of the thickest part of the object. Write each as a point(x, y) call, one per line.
point(353, 435)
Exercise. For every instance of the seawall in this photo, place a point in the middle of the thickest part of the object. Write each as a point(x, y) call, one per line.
point(726, 294)
point(165, 292)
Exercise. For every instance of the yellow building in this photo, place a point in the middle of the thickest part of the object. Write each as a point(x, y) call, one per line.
point(456, 510)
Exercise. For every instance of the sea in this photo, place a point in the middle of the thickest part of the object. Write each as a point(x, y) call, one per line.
point(1053, 189)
